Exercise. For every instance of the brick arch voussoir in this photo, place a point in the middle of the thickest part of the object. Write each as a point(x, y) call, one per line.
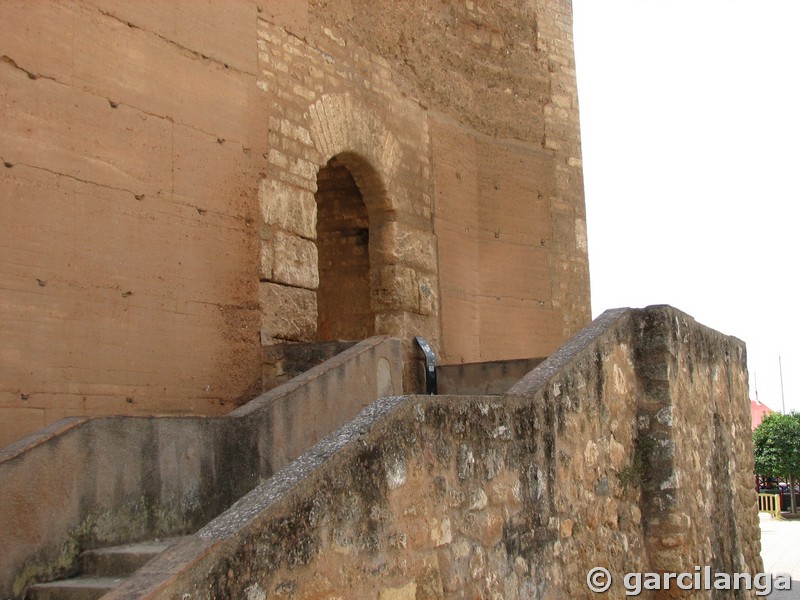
point(345, 128)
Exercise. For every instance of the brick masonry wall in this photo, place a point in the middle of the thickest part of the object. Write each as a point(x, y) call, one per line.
point(504, 184)
point(570, 265)
point(599, 457)
point(337, 100)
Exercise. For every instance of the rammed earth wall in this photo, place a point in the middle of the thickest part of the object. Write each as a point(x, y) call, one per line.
point(158, 179)
point(628, 449)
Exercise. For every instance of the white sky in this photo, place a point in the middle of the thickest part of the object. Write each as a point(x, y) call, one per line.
point(690, 125)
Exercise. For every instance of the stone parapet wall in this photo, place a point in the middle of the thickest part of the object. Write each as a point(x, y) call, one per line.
point(601, 456)
point(84, 483)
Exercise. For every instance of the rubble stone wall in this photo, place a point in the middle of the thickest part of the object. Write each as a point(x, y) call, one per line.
point(627, 449)
point(699, 498)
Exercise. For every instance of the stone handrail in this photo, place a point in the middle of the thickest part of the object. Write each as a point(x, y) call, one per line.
point(87, 482)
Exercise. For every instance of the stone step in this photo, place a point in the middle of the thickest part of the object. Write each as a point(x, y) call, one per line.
point(102, 570)
point(79, 588)
point(121, 561)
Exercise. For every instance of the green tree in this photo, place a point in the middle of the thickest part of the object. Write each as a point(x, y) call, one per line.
point(776, 448)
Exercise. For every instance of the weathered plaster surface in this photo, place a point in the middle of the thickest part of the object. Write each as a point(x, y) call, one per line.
point(85, 483)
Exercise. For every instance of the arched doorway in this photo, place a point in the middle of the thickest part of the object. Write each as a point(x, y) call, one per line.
point(343, 298)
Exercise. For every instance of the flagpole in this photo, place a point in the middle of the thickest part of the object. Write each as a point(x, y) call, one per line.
point(780, 370)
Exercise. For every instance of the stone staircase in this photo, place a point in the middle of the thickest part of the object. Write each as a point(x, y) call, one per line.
point(202, 466)
point(101, 570)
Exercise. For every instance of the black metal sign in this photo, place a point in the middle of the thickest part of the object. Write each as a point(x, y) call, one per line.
point(430, 365)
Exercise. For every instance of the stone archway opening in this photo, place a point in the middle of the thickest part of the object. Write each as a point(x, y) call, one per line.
point(344, 308)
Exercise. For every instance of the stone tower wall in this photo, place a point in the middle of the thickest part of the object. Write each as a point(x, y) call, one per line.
point(160, 165)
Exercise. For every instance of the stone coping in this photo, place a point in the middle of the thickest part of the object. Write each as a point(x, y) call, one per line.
point(260, 402)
